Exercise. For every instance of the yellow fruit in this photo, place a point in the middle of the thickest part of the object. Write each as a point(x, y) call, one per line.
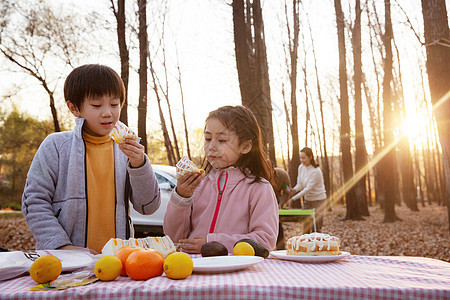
point(243, 248)
point(45, 269)
point(108, 268)
point(178, 265)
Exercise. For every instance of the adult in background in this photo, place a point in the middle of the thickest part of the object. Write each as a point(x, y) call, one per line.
point(281, 186)
point(310, 186)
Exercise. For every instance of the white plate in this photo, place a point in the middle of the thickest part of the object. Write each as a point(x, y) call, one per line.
point(219, 264)
point(281, 254)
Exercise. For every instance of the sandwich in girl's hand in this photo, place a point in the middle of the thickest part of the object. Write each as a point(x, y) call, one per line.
point(121, 132)
point(185, 165)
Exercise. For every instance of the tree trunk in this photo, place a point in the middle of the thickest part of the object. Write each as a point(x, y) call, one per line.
point(407, 175)
point(388, 161)
point(308, 115)
point(442, 189)
point(374, 110)
point(427, 172)
point(438, 60)
point(326, 163)
point(143, 53)
point(406, 166)
point(350, 197)
point(294, 162)
point(288, 133)
point(369, 189)
point(167, 142)
point(251, 62)
point(432, 188)
point(174, 134)
point(419, 188)
point(360, 143)
point(186, 132)
point(166, 96)
point(54, 113)
point(123, 53)
point(52, 102)
point(305, 87)
point(435, 164)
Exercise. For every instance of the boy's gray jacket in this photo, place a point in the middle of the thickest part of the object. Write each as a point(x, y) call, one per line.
point(54, 200)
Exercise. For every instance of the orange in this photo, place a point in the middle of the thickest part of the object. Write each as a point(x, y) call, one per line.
point(144, 264)
point(123, 254)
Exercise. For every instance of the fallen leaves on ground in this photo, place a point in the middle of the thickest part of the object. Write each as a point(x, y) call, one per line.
point(424, 233)
point(14, 233)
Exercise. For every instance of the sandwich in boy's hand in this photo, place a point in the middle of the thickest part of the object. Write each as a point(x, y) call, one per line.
point(121, 132)
point(185, 165)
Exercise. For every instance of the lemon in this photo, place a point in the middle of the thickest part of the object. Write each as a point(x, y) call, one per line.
point(243, 248)
point(178, 265)
point(108, 267)
point(45, 269)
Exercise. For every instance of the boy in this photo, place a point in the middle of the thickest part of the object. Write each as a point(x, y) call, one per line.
point(79, 183)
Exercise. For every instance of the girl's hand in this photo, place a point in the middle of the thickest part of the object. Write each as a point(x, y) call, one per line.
point(193, 245)
point(134, 151)
point(187, 184)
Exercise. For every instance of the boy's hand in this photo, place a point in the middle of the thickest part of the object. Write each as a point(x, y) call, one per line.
point(134, 151)
point(187, 184)
point(193, 245)
point(70, 247)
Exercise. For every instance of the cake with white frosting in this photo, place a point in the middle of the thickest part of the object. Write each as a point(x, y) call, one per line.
point(313, 244)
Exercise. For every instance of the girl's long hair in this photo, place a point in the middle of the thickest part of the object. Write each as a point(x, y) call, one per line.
point(242, 121)
point(310, 154)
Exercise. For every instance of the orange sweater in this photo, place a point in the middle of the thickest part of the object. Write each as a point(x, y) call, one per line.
point(100, 191)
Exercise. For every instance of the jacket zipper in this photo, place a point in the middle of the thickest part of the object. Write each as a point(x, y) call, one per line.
point(219, 201)
point(85, 191)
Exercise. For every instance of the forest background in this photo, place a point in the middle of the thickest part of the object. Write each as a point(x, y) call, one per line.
point(365, 84)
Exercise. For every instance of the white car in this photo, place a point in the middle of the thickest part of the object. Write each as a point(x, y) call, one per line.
point(166, 176)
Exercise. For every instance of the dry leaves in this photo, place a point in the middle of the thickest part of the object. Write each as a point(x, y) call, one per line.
point(424, 233)
point(14, 233)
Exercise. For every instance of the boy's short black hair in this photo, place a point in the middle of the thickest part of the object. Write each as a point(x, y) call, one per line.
point(92, 80)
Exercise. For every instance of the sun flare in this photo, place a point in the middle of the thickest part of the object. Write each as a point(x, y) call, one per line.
point(413, 126)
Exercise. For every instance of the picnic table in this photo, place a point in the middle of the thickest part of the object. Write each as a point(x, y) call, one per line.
point(352, 277)
point(296, 215)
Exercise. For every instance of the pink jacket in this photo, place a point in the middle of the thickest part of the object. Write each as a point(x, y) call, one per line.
point(247, 210)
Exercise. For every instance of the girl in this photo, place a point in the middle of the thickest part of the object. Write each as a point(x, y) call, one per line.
point(310, 185)
point(235, 199)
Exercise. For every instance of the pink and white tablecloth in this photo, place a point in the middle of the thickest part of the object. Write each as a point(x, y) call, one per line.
point(353, 277)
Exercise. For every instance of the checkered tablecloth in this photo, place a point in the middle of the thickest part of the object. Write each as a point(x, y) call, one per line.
point(353, 277)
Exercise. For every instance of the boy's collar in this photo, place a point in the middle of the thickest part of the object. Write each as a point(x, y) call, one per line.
point(79, 127)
